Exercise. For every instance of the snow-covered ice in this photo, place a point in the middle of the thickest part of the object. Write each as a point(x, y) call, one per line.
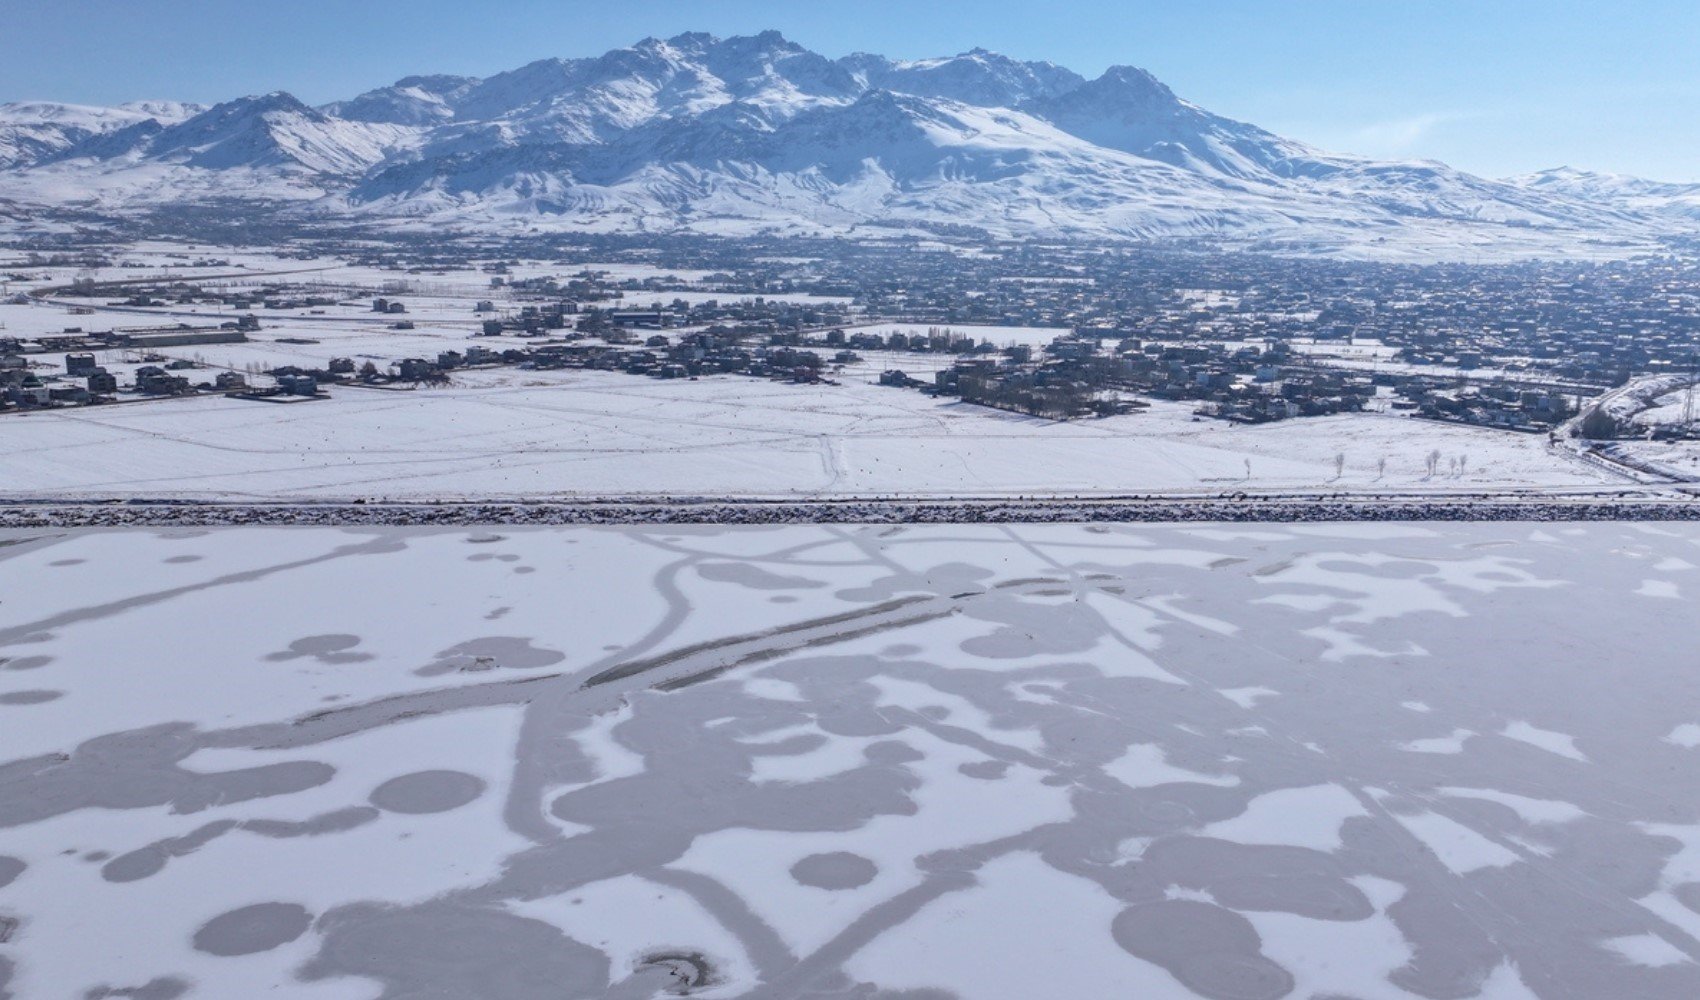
point(959, 760)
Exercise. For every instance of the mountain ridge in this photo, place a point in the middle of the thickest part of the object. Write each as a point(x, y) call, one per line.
point(756, 133)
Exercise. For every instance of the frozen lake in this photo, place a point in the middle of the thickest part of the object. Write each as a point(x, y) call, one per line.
point(1370, 761)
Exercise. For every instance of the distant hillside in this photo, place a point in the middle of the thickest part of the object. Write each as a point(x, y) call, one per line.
point(757, 134)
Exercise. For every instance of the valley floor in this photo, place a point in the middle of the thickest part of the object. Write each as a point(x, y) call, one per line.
point(517, 434)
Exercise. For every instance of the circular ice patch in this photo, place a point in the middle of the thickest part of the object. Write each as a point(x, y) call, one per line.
point(838, 870)
point(685, 971)
point(427, 792)
point(1213, 951)
point(252, 929)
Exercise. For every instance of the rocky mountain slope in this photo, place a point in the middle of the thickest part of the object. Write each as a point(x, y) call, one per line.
point(757, 134)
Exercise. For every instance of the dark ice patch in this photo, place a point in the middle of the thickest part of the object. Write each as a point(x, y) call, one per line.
point(148, 861)
point(1033, 629)
point(1214, 952)
point(427, 792)
point(25, 662)
point(491, 653)
point(946, 578)
point(328, 649)
point(755, 577)
point(892, 752)
point(253, 929)
point(163, 988)
point(336, 821)
point(450, 949)
point(30, 697)
point(837, 870)
point(138, 769)
point(678, 973)
point(1688, 894)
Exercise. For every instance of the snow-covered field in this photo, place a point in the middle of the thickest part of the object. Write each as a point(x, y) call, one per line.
point(516, 434)
point(1678, 460)
point(1364, 761)
point(510, 433)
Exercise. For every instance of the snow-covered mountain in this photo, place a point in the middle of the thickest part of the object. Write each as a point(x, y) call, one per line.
point(1634, 193)
point(33, 131)
point(757, 133)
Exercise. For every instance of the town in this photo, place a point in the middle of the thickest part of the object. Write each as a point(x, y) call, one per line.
point(1244, 338)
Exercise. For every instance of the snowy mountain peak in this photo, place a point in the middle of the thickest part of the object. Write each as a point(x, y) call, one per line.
point(42, 131)
point(1132, 79)
point(164, 112)
point(701, 42)
point(755, 133)
point(413, 100)
point(1633, 193)
point(272, 130)
point(93, 118)
point(977, 77)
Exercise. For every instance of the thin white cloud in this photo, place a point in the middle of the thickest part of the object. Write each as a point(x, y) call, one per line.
point(1403, 134)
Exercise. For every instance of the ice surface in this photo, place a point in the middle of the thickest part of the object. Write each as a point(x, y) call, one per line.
point(985, 762)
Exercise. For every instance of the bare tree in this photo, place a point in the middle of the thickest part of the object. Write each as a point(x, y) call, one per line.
point(1339, 464)
point(1381, 468)
point(1433, 462)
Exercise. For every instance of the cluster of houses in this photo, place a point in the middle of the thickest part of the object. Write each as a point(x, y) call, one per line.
point(131, 338)
point(1511, 347)
point(85, 382)
point(689, 356)
point(88, 383)
point(188, 292)
point(1080, 375)
point(1506, 406)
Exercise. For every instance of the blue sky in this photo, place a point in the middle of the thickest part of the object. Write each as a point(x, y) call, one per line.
point(1493, 86)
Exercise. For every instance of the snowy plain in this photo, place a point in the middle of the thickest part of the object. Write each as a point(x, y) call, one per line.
point(515, 434)
point(510, 433)
point(1371, 761)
